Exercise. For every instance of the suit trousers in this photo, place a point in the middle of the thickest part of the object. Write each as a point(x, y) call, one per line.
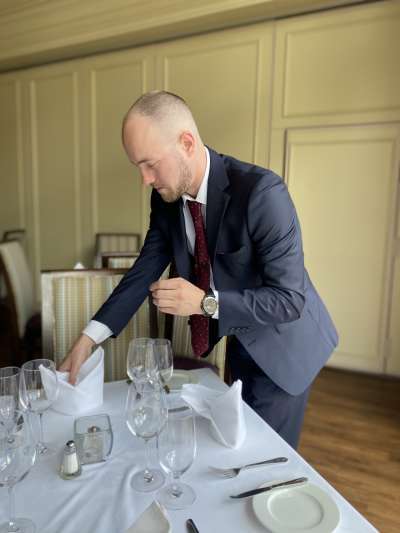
point(282, 411)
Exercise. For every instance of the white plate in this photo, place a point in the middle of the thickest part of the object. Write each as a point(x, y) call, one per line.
point(181, 377)
point(305, 508)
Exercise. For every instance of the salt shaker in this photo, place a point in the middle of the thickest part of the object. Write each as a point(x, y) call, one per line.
point(70, 466)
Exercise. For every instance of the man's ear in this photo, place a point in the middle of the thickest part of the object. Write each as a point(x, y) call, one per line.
point(187, 142)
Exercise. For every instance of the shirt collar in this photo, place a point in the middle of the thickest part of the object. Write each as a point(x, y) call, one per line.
point(202, 194)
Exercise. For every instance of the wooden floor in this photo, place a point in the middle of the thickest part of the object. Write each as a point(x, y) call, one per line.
point(351, 435)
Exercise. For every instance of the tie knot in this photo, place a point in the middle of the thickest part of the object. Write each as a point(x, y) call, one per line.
point(194, 208)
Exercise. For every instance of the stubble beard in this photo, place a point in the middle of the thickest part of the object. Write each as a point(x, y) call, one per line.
point(185, 179)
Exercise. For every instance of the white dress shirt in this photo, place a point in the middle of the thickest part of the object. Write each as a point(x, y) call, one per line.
point(98, 331)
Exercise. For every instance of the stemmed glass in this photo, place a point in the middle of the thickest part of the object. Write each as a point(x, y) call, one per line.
point(146, 413)
point(9, 395)
point(141, 364)
point(38, 390)
point(177, 448)
point(17, 456)
point(164, 359)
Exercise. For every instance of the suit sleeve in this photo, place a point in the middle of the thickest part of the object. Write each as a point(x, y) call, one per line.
point(133, 288)
point(276, 238)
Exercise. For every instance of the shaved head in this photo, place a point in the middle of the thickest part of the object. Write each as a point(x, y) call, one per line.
point(168, 111)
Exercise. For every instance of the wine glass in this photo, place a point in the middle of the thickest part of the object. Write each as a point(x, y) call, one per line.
point(177, 449)
point(38, 390)
point(9, 395)
point(164, 359)
point(17, 456)
point(146, 413)
point(141, 364)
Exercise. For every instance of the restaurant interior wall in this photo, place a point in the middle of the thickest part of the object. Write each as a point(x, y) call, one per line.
point(321, 107)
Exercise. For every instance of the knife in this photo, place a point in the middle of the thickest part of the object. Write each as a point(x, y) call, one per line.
point(191, 526)
point(253, 492)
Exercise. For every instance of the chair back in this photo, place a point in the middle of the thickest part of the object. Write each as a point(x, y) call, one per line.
point(18, 281)
point(70, 299)
point(116, 242)
point(14, 235)
point(118, 259)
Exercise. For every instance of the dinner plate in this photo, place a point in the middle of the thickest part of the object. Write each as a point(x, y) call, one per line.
point(181, 377)
point(305, 508)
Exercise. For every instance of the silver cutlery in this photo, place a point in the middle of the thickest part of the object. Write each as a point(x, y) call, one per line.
point(233, 472)
point(191, 526)
point(291, 482)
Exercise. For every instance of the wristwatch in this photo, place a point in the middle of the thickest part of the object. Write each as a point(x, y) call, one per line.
point(209, 304)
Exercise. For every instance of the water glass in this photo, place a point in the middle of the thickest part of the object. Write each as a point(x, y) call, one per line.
point(177, 449)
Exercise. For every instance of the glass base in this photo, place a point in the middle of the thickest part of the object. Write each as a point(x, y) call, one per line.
point(20, 525)
point(44, 450)
point(176, 496)
point(142, 482)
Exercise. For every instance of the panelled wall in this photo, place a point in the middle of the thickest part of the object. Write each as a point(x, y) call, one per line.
point(336, 139)
point(316, 98)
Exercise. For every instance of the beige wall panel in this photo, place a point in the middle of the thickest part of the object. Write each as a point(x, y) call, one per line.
point(55, 168)
point(225, 79)
point(343, 182)
point(116, 81)
point(393, 362)
point(11, 165)
point(340, 66)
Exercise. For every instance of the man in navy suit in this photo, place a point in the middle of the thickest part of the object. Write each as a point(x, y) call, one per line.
point(232, 231)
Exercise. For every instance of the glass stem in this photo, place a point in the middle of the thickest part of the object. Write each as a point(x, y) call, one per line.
point(41, 444)
point(148, 476)
point(176, 490)
point(11, 523)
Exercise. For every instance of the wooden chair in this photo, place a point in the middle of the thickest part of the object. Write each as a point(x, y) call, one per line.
point(18, 302)
point(69, 300)
point(116, 242)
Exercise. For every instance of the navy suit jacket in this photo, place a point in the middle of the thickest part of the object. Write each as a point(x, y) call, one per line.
point(266, 297)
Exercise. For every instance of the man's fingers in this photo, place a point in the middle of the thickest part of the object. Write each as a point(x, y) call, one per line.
point(167, 284)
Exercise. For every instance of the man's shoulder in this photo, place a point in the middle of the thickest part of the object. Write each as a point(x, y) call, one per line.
point(249, 175)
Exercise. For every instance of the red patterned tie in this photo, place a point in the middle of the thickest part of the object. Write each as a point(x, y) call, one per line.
point(199, 324)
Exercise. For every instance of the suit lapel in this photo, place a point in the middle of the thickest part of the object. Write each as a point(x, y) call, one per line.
point(217, 201)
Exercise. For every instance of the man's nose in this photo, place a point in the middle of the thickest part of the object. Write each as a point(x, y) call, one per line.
point(147, 178)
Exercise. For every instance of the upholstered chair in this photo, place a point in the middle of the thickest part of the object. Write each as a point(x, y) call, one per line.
point(116, 242)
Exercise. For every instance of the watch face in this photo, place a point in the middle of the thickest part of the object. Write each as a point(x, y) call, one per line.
point(210, 305)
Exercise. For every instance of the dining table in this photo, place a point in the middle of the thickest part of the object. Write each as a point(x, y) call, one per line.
point(101, 499)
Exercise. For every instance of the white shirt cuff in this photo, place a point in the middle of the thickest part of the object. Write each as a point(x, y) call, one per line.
point(216, 314)
point(97, 331)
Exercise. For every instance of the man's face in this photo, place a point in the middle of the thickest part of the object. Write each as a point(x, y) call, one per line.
point(159, 159)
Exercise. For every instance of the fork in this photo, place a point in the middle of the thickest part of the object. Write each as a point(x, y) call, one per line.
point(228, 473)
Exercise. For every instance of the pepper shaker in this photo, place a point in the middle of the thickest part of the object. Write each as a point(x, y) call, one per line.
point(70, 466)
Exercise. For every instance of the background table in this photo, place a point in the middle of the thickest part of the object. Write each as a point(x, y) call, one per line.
point(102, 501)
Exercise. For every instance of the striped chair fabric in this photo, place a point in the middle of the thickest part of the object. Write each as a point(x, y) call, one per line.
point(121, 262)
point(68, 303)
point(116, 242)
point(20, 278)
point(182, 345)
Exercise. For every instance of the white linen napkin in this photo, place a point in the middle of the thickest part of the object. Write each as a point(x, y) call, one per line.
point(86, 394)
point(224, 410)
point(152, 520)
point(79, 266)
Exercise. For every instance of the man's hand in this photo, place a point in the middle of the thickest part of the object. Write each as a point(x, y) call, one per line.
point(177, 296)
point(77, 355)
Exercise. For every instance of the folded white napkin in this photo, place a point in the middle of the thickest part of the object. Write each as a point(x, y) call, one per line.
point(79, 266)
point(152, 520)
point(224, 410)
point(86, 394)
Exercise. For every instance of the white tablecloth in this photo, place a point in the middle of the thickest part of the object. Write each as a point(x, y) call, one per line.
point(102, 501)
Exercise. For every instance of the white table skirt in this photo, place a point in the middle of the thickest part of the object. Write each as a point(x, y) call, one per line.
point(102, 501)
